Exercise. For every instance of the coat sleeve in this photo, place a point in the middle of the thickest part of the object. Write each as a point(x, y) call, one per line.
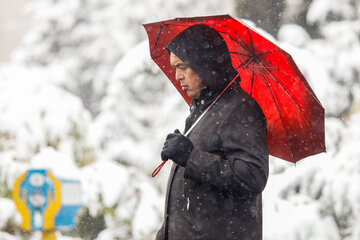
point(243, 166)
point(160, 235)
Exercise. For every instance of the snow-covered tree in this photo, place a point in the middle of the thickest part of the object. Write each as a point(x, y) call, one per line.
point(82, 98)
point(84, 39)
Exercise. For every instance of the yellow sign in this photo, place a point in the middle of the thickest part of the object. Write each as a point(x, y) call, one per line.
point(20, 202)
point(37, 196)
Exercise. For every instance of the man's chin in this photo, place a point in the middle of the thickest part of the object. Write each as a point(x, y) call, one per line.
point(188, 93)
point(191, 94)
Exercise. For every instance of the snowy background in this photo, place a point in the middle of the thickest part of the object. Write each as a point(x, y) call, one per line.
point(81, 96)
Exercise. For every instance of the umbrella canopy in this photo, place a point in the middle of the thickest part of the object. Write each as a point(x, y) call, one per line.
point(295, 117)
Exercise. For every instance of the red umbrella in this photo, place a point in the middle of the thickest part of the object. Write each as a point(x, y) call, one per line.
point(295, 117)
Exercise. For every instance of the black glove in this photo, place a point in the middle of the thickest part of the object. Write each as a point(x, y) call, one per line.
point(177, 147)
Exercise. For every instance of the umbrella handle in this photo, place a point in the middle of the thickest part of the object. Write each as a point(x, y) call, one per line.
point(157, 170)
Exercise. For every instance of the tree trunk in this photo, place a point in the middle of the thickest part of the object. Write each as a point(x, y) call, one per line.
point(267, 14)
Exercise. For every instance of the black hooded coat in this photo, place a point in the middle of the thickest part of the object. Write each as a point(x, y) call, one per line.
point(217, 195)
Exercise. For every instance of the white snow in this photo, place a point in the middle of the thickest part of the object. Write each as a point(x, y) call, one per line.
point(83, 99)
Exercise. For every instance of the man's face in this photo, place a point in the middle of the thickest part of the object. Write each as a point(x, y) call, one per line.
point(190, 82)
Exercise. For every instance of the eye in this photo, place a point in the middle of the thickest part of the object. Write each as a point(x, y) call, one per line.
point(183, 68)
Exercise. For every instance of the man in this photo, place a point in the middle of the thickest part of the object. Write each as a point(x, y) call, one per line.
point(221, 168)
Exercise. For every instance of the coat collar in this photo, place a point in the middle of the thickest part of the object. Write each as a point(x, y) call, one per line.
point(207, 96)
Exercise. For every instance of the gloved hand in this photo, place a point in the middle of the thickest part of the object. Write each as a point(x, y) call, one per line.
point(177, 147)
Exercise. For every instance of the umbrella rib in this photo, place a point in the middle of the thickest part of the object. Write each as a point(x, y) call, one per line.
point(160, 56)
point(251, 41)
point(307, 121)
point(251, 55)
point(274, 99)
point(214, 24)
point(252, 80)
point(243, 45)
point(246, 63)
point(157, 38)
point(171, 24)
point(279, 113)
point(242, 54)
point(296, 80)
point(253, 75)
point(274, 51)
point(287, 93)
point(243, 42)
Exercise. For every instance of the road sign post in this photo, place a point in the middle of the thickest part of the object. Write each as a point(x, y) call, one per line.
point(45, 202)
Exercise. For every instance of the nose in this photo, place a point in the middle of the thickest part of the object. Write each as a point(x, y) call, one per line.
point(178, 75)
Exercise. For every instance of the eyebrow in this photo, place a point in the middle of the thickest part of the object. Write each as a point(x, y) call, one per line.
point(179, 65)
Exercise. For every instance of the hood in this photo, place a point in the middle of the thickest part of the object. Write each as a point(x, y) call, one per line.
point(204, 50)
